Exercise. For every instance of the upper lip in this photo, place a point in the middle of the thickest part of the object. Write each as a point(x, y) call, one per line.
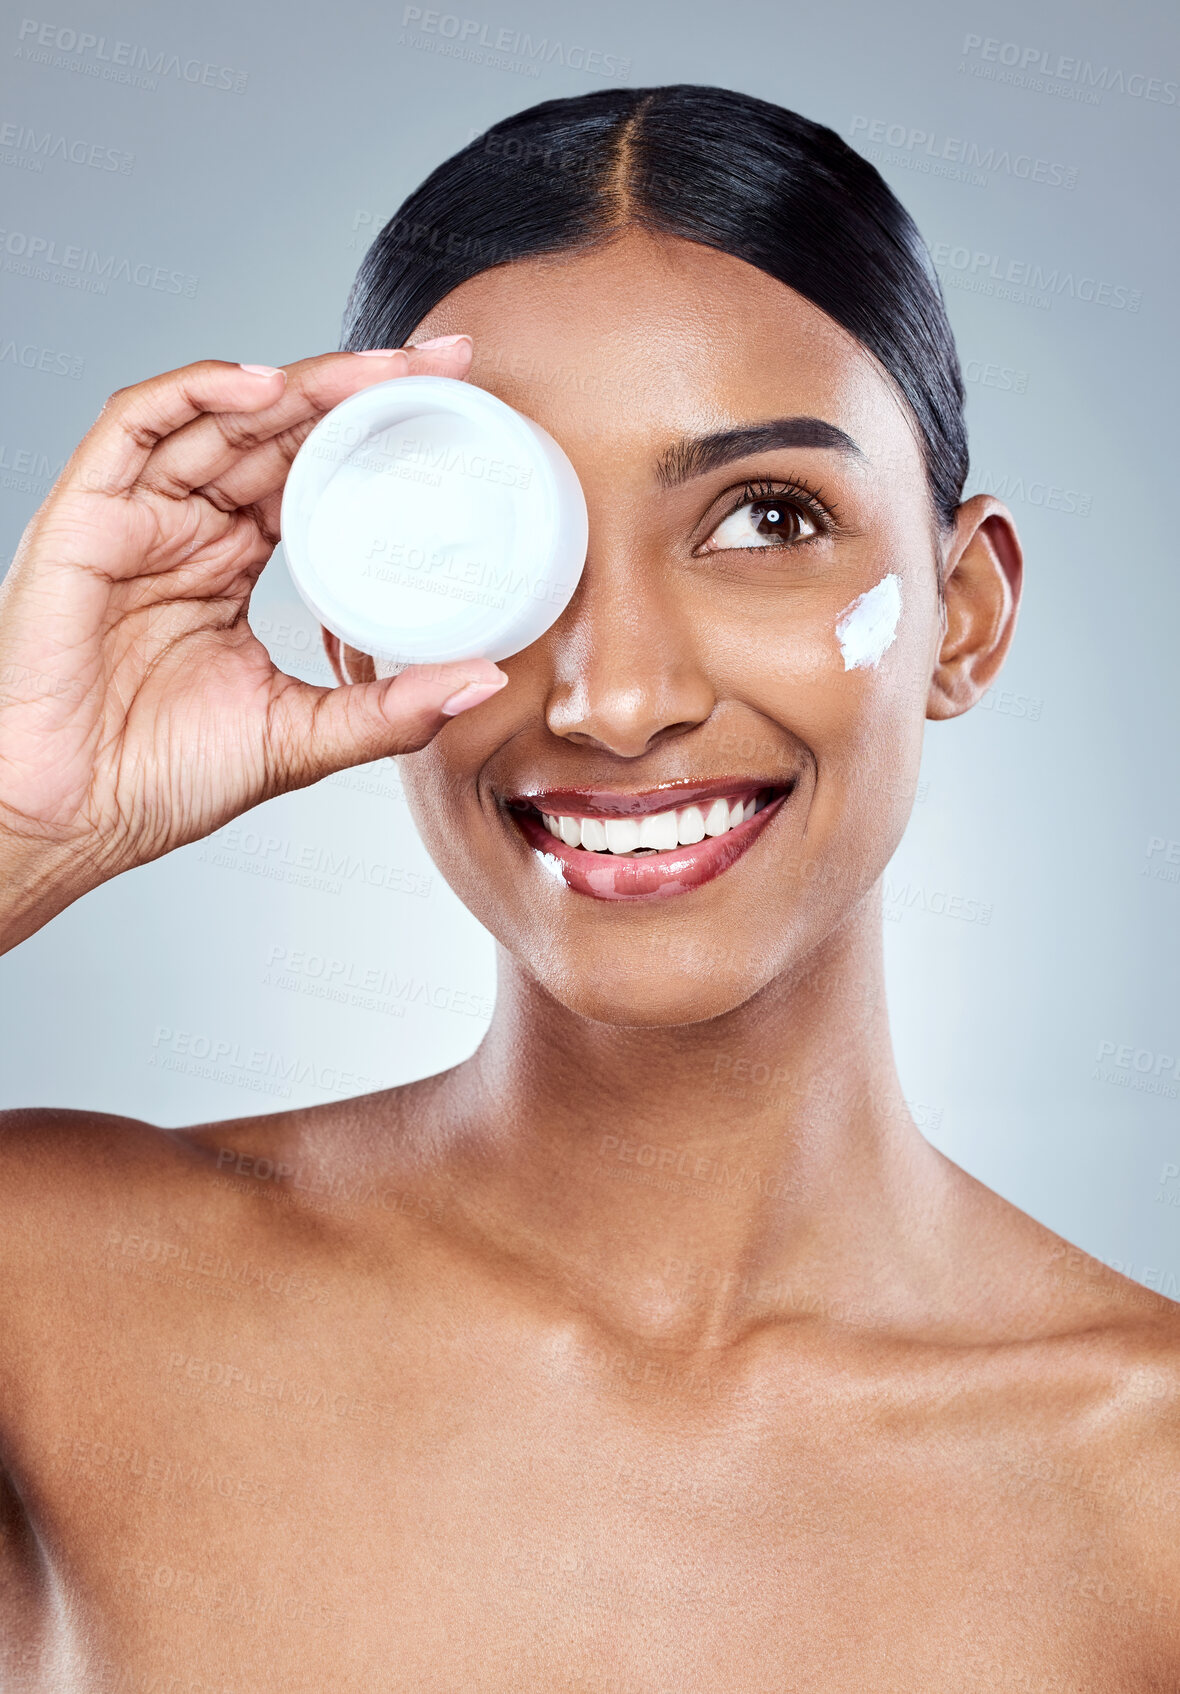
point(629, 803)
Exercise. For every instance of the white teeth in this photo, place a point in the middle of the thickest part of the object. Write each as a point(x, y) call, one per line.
point(717, 818)
point(658, 830)
point(655, 831)
point(690, 826)
point(594, 834)
point(622, 835)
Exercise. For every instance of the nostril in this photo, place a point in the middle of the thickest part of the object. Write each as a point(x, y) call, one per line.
point(628, 717)
point(623, 743)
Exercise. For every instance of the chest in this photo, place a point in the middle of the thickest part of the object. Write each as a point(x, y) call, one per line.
point(245, 1504)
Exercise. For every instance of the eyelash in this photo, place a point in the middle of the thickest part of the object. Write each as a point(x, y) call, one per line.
point(822, 513)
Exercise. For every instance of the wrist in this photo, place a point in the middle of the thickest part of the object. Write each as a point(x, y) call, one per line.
point(38, 879)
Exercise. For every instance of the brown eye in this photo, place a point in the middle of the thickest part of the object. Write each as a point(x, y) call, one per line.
point(770, 521)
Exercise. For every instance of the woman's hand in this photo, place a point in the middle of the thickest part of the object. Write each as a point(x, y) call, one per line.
point(138, 711)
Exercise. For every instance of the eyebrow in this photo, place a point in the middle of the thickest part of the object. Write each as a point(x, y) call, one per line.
point(696, 455)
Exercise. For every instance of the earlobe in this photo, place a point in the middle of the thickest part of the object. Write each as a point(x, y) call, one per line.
point(983, 573)
point(348, 664)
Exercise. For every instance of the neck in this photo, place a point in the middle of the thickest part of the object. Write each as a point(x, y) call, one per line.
point(679, 1179)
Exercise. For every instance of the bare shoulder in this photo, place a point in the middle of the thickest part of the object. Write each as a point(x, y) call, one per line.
point(1101, 1376)
point(54, 1160)
point(77, 1180)
point(1015, 1278)
point(1070, 1378)
point(1121, 1469)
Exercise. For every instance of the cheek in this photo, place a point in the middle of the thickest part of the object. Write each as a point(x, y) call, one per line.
point(443, 787)
point(818, 657)
point(867, 627)
point(438, 786)
point(882, 667)
point(841, 680)
point(871, 708)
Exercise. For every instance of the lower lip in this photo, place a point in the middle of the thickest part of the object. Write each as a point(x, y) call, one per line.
point(606, 876)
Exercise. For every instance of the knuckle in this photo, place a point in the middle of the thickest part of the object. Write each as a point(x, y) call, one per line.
point(241, 433)
point(412, 738)
point(204, 368)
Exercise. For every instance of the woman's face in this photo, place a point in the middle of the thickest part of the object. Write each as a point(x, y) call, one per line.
point(700, 658)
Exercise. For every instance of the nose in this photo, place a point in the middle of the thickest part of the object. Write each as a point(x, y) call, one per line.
point(628, 663)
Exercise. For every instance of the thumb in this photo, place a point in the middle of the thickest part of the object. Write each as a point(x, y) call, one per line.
point(314, 731)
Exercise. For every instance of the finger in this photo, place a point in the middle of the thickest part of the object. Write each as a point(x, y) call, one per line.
point(235, 461)
point(312, 732)
point(254, 477)
point(134, 420)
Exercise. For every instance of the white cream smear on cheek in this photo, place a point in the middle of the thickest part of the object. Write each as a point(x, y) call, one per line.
point(866, 629)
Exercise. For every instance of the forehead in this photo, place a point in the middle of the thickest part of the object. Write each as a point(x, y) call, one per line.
point(657, 336)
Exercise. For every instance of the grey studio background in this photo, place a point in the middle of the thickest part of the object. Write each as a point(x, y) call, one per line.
point(225, 169)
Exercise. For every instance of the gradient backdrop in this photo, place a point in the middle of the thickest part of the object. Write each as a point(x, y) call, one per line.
point(225, 171)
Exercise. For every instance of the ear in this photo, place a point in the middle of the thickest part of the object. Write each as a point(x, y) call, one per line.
point(348, 663)
point(983, 569)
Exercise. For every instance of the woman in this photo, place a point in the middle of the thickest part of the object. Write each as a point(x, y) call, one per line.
point(652, 1348)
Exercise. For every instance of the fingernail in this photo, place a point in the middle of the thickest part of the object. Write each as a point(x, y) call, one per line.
point(471, 694)
point(377, 352)
point(263, 370)
point(438, 341)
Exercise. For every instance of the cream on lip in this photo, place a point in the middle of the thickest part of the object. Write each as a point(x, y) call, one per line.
point(867, 628)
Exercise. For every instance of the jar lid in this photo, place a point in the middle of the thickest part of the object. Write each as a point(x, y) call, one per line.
point(424, 520)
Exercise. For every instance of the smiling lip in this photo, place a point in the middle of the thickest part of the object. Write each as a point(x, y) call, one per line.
point(611, 803)
point(652, 875)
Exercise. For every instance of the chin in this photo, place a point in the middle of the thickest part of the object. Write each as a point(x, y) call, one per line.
point(650, 997)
